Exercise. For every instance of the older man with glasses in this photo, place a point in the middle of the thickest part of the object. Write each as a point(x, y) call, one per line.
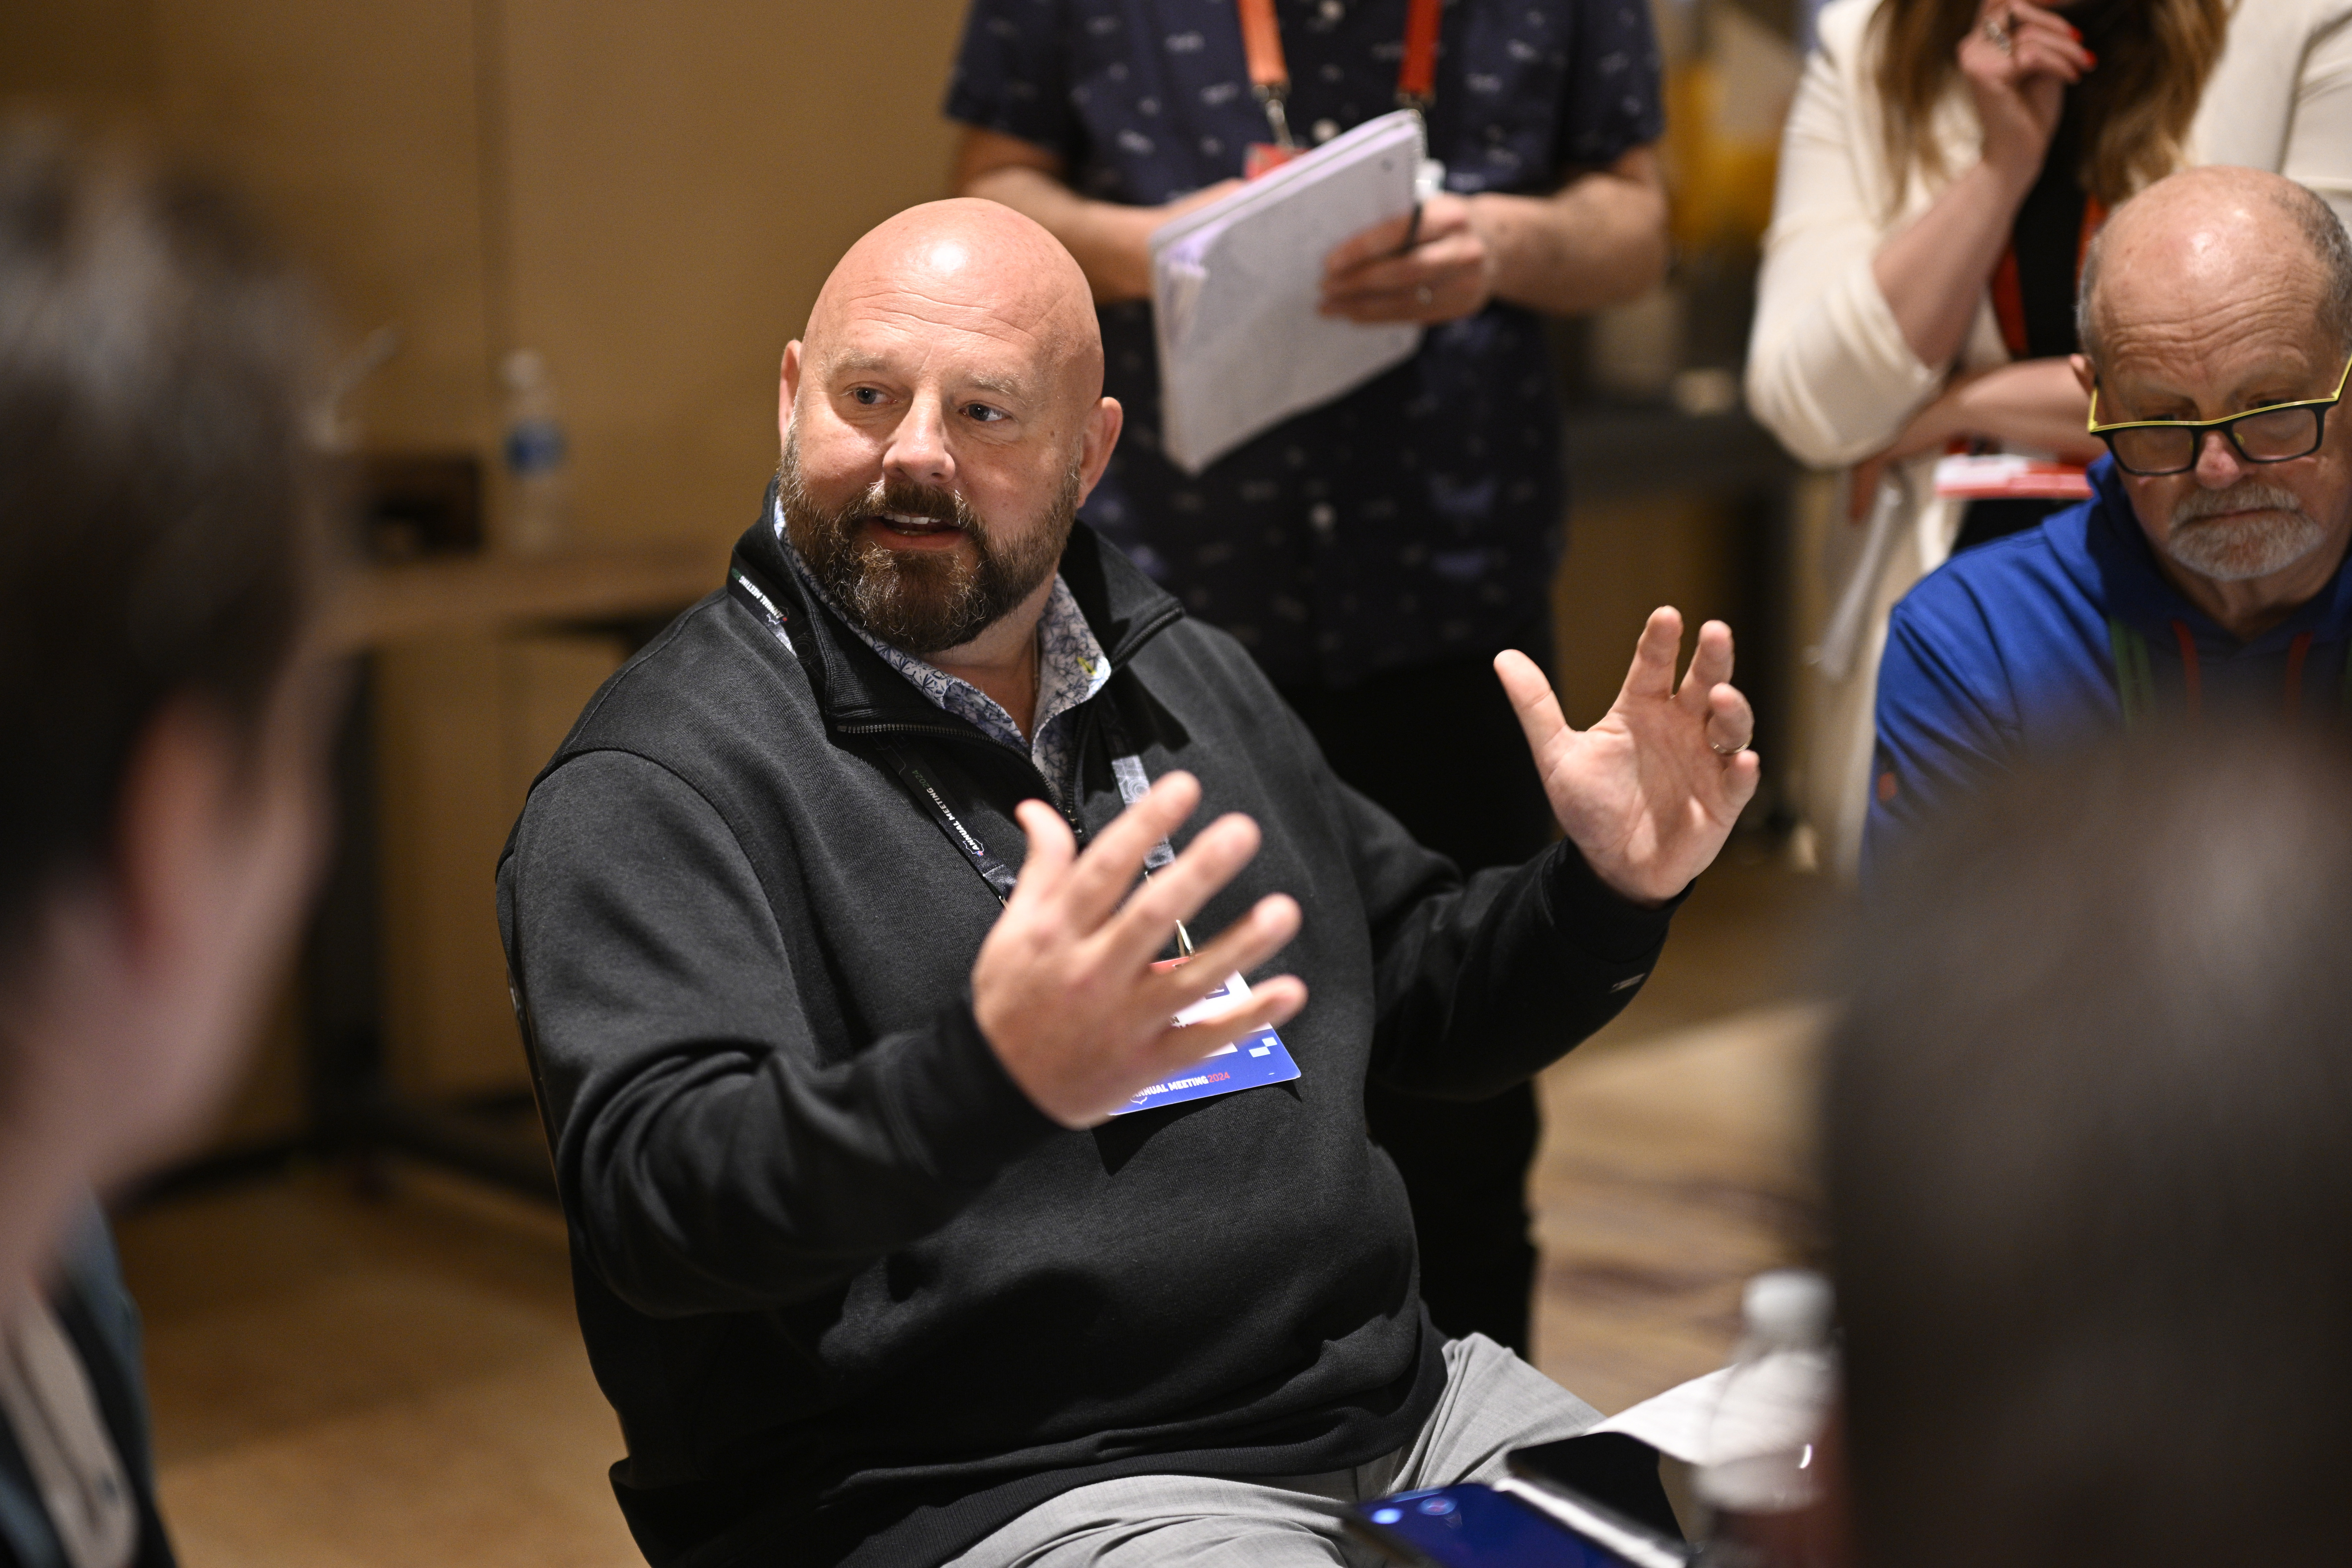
point(2206, 572)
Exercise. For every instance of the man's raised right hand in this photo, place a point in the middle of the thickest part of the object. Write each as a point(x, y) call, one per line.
point(1063, 988)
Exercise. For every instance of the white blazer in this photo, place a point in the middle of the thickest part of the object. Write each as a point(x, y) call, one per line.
point(1829, 372)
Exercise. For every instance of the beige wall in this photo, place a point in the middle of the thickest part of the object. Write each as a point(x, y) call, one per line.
point(682, 177)
point(650, 195)
point(354, 127)
point(462, 726)
point(1626, 557)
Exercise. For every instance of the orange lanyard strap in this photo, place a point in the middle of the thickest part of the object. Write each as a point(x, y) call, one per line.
point(1417, 75)
point(1269, 73)
point(1261, 41)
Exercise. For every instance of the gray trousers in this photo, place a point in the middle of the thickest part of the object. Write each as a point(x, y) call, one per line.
point(1493, 1403)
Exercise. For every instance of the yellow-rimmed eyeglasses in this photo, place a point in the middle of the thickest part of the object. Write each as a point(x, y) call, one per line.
point(2278, 434)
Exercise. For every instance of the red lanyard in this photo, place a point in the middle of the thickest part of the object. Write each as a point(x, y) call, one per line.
point(1270, 76)
point(2135, 678)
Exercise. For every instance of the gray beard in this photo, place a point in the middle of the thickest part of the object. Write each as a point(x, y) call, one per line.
point(2242, 549)
point(920, 601)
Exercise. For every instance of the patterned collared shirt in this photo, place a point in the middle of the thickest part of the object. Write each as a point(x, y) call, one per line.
point(1071, 668)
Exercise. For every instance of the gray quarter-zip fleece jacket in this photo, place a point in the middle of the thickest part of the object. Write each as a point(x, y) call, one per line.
point(853, 1298)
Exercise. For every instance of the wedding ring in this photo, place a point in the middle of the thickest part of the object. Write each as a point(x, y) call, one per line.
point(1725, 753)
point(1426, 294)
point(1996, 32)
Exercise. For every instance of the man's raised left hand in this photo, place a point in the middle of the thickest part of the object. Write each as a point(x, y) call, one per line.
point(1650, 792)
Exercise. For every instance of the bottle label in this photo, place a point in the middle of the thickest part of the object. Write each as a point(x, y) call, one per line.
point(534, 447)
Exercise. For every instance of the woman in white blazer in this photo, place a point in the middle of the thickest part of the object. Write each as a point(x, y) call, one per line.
point(1877, 339)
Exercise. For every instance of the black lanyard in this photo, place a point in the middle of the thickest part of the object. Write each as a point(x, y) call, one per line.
point(1127, 771)
point(925, 790)
point(932, 798)
point(756, 599)
point(1134, 784)
point(1126, 766)
point(932, 795)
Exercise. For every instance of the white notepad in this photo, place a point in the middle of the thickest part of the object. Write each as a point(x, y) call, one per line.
point(1234, 287)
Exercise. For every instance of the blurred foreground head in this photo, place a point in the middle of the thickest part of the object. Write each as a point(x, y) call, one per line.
point(159, 812)
point(2090, 1184)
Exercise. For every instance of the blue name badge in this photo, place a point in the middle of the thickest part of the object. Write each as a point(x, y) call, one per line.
point(1250, 1062)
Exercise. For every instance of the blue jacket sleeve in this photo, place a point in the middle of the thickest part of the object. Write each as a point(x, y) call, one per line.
point(1946, 717)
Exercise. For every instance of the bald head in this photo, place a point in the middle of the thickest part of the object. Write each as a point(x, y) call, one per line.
point(2213, 294)
point(976, 265)
point(2211, 242)
point(941, 423)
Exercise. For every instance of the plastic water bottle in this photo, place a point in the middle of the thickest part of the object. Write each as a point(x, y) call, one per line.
point(1760, 1486)
point(538, 494)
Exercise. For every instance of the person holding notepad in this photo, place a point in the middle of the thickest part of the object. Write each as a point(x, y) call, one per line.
point(1373, 555)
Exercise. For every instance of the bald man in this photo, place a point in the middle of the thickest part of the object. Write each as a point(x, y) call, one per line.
point(906, 1225)
point(2206, 574)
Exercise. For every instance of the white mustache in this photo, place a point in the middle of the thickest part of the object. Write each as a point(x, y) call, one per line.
point(2246, 495)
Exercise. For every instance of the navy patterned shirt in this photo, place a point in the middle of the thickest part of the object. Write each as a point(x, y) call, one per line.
point(1418, 518)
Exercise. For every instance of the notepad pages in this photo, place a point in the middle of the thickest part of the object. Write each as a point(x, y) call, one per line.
point(1234, 287)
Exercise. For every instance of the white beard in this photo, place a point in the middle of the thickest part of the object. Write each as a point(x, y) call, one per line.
point(2276, 534)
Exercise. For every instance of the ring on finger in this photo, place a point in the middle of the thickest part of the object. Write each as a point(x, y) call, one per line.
point(1996, 32)
point(1725, 753)
point(1425, 294)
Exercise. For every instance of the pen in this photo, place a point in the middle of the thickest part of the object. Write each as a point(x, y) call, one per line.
point(1412, 230)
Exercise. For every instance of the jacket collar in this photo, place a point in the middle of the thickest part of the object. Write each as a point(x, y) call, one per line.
point(2102, 546)
point(859, 691)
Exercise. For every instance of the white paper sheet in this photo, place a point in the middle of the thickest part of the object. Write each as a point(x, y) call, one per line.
point(1234, 287)
point(1782, 1409)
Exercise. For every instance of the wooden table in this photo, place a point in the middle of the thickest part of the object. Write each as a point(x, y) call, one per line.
point(354, 1113)
point(378, 605)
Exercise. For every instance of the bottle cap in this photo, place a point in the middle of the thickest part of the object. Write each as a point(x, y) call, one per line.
point(524, 370)
point(1787, 1309)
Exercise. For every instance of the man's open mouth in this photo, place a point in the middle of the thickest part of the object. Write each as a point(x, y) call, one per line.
point(913, 525)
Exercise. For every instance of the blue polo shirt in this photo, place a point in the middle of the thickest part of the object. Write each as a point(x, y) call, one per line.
point(2010, 652)
point(1417, 518)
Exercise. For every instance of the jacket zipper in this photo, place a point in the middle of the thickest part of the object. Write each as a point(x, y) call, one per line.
point(942, 731)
